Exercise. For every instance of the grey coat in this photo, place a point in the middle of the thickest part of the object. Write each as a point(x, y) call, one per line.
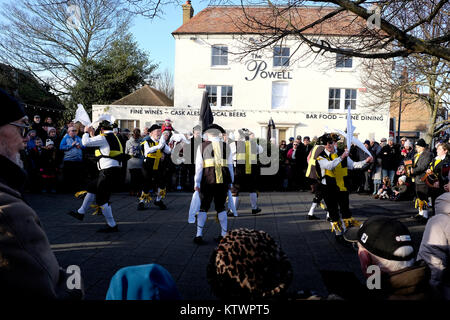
point(435, 246)
point(28, 266)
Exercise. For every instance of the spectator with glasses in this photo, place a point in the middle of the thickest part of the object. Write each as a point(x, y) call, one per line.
point(28, 268)
point(73, 168)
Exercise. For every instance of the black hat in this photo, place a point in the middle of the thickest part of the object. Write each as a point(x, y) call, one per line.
point(105, 124)
point(154, 127)
point(12, 110)
point(214, 126)
point(335, 137)
point(367, 142)
point(324, 139)
point(382, 236)
point(421, 143)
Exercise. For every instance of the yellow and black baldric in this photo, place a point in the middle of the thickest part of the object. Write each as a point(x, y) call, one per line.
point(215, 164)
point(115, 148)
point(154, 156)
point(246, 154)
point(338, 175)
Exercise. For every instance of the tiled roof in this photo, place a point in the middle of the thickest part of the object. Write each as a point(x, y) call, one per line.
point(145, 96)
point(234, 20)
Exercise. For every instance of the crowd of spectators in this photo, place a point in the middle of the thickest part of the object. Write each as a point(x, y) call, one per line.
point(57, 161)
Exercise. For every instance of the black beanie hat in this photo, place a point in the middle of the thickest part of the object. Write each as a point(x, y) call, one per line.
point(11, 109)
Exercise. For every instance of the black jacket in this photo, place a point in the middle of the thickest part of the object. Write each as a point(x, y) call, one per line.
point(390, 157)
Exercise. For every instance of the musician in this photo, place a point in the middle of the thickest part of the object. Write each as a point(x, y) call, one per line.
point(421, 161)
point(437, 173)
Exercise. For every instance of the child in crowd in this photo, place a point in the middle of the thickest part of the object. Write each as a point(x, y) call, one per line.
point(385, 191)
point(401, 190)
point(48, 167)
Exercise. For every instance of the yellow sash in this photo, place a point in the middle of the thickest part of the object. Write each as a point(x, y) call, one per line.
point(155, 155)
point(217, 146)
point(248, 164)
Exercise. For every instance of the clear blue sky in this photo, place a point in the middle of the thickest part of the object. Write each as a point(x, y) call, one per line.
point(155, 36)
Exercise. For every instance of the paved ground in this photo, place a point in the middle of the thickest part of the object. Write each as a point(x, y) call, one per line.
point(165, 237)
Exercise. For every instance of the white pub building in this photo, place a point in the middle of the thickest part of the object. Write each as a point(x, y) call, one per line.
point(302, 96)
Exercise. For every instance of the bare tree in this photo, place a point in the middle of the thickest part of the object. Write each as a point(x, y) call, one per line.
point(417, 78)
point(164, 83)
point(51, 38)
point(381, 29)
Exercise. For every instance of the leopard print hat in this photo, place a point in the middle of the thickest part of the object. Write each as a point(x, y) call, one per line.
point(248, 264)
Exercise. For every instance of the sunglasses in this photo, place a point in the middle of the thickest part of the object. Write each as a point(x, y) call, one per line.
point(22, 126)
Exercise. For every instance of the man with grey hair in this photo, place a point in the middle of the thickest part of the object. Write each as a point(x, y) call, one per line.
point(28, 266)
point(385, 244)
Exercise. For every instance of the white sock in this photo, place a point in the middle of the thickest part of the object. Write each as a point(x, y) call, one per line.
point(236, 202)
point(254, 200)
point(311, 211)
point(107, 213)
point(87, 201)
point(201, 219)
point(421, 213)
point(158, 197)
point(328, 215)
point(222, 216)
point(425, 214)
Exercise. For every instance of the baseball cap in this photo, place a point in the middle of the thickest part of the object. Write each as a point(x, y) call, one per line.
point(291, 138)
point(382, 236)
point(383, 140)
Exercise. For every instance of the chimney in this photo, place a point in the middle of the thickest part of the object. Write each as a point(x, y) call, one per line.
point(188, 11)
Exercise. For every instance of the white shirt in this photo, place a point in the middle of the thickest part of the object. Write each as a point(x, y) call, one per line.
point(101, 142)
point(162, 145)
point(233, 150)
point(199, 164)
point(325, 164)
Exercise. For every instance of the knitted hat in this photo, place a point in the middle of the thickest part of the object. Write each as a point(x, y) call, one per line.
point(11, 109)
point(143, 282)
point(248, 264)
point(402, 178)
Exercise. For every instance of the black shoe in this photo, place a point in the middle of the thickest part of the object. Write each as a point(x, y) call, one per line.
point(328, 219)
point(255, 211)
point(141, 206)
point(108, 229)
point(218, 239)
point(198, 240)
point(423, 220)
point(76, 215)
point(313, 217)
point(230, 213)
point(417, 217)
point(161, 205)
point(340, 240)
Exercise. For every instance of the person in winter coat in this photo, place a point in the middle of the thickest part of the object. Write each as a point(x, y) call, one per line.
point(390, 159)
point(434, 248)
point(29, 270)
point(134, 164)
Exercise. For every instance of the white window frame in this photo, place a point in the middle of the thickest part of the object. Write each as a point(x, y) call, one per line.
point(281, 57)
point(344, 58)
point(219, 96)
point(342, 99)
point(286, 105)
point(220, 55)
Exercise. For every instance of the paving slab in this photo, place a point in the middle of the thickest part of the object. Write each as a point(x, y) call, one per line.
point(165, 237)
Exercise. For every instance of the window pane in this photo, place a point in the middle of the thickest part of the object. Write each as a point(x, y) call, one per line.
point(348, 62)
point(337, 93)
point(331, 93)
point(286, 52)
point(354, 94)
point(347, 94)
